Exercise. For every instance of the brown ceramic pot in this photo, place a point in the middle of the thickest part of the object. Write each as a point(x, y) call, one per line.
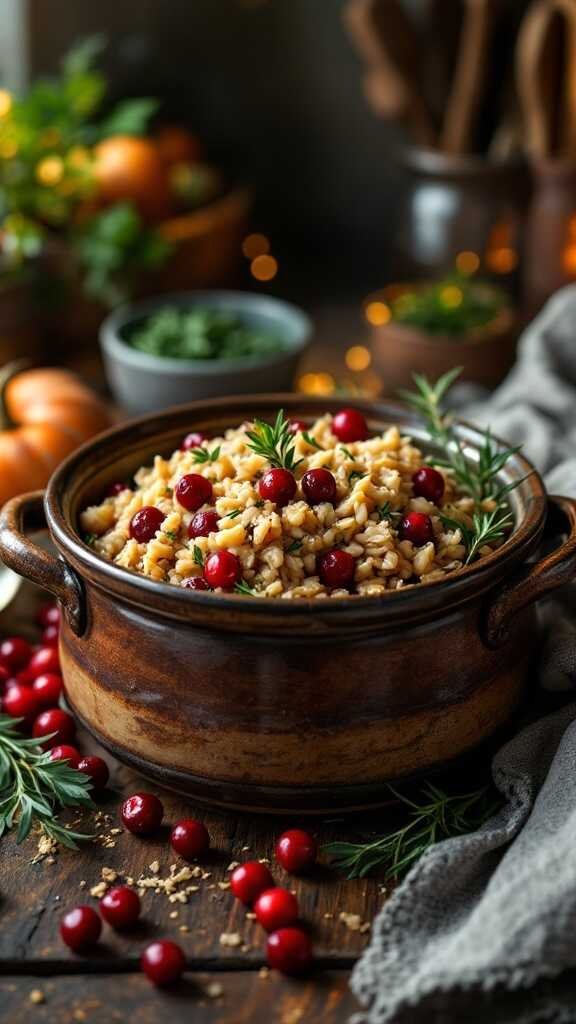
point(400, 350)
point(272, 704)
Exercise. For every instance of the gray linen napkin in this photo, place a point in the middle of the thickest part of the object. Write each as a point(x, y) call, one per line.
point(483, 929)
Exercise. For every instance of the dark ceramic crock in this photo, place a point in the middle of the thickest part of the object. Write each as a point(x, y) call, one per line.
point(273, 704)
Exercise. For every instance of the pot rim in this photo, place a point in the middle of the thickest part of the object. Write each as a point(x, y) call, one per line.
point(467, 583)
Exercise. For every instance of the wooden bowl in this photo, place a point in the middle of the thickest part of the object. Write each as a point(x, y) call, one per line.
point(485, 355)
point(271, 704)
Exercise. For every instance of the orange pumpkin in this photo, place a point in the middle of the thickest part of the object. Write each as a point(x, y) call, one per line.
point(47, 413)
point(177, 145)
point(130, 168)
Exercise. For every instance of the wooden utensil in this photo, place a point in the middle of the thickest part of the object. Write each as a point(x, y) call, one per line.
point(387, 41)
point(469, 78)
point(546, 77)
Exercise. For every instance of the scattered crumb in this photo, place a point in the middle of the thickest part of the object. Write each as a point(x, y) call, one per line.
point(214, 990)
point(173, 914)
point(250, 915)
point(264, 972)
point(183, 928)
point(293, 1015)
point(328, 916)
point(245, 849)
point(47, 847)
point(223, 885)
point(99, 890)
point(83, 883)
point(154, 867)
point(365, 927)
point(353, 922)
point(50, 860)
point(109, 874)
point(245, 948)
point(233, 864)
point(263, 860)
point(232, 939)
point(37, 996)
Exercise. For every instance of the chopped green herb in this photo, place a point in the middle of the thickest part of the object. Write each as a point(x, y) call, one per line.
point(356, 473)
point(347, 453)
point(294, 547)
point(311, 441)
point(243, 588)
point(169, 491)
point(89, 539)
point(200, 455)
point(234, 514)
point(274, 443)
point(171, 534)
point(198, 556)
point(259, 504)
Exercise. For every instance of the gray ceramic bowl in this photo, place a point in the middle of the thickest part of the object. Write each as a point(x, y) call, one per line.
point(144, 383)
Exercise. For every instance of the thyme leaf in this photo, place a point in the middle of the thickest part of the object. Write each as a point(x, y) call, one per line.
point(274, 443)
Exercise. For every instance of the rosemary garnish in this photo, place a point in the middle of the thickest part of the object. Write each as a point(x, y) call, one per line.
point(33, 788)
point(386, 511)
point(436, 816)
point(294, 547)
point(347, 453)
point(274, 443)
point(311, 441)
point(234, 514)
point(487, 528)
point(356, 473)
point(89, 539)
point(198, 556)
point(203, 455)
point(171, 534)
point(243, 588)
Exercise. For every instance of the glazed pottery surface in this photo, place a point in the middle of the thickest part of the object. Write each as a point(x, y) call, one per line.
point(276, 704)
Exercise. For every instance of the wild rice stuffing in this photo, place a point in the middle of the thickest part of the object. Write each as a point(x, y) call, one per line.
point(281, 546)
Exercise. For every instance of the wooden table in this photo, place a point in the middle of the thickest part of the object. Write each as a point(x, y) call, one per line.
point(41, 981)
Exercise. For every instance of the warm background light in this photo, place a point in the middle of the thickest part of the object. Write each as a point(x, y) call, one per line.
point(50, 170)
point(5, 102)
point(467, 262)
point(358, 358)
point(377, 313)
point(255, 245)
point(317, 384)
point(264, 268)
point(502, 261)
point(451, 296)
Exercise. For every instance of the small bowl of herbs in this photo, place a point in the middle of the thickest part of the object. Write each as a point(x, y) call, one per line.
point(180, 348)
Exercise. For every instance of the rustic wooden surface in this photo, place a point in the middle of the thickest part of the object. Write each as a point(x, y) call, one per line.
point(106, 985)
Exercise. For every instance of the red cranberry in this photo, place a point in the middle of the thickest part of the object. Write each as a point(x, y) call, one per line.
point(428, 483)
point(190, 838)
point(163, 962)
point(47, 688)
point(248, 880)
point(5, 677)
point(203, 523)
point(416, 527)
point(54, 721)
point(15, 652)
point(222, 569)
point(193, 440)
point(116, 488)
point(80, 928)
point(64, 752)
point(277, 485)
point(20, 702)
point(319, 485)
point(350, 425)
point(24, 676)
point(120, 907)
point(96, 769)
point(336, 568)
point(192, 491)
point(289, 950)
point(296, 850)
point(276, 908)
point(48, 615)
point(297, 426)
point(195, 583)
point(145, 523)
point(44, 660)
point(50, 636)
point(142, 813)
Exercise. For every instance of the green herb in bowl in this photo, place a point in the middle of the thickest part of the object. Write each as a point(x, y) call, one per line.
point(201, 334)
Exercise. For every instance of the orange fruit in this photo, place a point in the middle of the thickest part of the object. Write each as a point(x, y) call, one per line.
point(176, 145)
point(127, 168)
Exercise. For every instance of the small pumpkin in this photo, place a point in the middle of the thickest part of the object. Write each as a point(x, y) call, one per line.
point(45, 413)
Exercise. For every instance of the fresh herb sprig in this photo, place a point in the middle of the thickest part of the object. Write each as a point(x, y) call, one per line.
point(435, 816)
point(202, 455)
point(311, 441)
point(244, 588)
point(274, 443)
point(487, 528)
point(33, 788)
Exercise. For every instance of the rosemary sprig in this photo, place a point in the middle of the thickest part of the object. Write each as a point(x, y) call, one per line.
point(89, 539)
point(198, 556)
point(243, 588)
point(274, 443)
point(386, 511)
point(347, 453)
point(356, 474)
point(202, 455)
point(487, 528)
point(33, 788)
point(234, 514)
point(311, 441)
point(436, 816)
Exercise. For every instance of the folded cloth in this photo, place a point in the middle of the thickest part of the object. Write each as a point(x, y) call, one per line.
point(483, 929)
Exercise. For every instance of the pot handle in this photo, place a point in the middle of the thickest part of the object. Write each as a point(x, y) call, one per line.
point(537, 579)
point(18, 552)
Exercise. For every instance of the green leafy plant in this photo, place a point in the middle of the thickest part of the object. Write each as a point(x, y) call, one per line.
point(201, 334)
point(456, 306)
point(431, 817)
point(33, 788)
point(274, 443)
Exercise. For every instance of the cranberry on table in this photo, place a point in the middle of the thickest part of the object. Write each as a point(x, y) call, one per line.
point(45, 659)
point(50, 636)
point(25, 676)
point(48, 615)
point(15, 652)
point(319, 485)
point(222, 569)
point(417, 528)
point(193, 490)
point(80, 928)
point(428, 483)
point(190, 838)
point(277, 485)
point(276, 908)
point(54, 721)
point(47, 688)
point(297, 426)
point(96, 769)
point(64, 752)
point(145, 523)
point(249, 880)
point(289, 950)
point(5, 675)
point(120, 907)
point(350, 425)
point(195, 583)
point(336, 568)
point(116, 488)
point(20, 702)
point(163, 962)
point(296, 850)
point(193, 440)
point(203, 523)
point(142, 813)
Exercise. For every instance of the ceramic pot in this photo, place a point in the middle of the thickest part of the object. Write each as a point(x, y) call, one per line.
point(277, 705)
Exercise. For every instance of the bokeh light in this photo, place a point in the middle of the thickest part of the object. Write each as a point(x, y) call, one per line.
point(264, 268)
point(317, 384)
point(255, 245)
point(451, 296)
point(503, 260)
point(50, 170)
point(377, 313)
point(5, 102)
point(467, 262)
point(358, 358)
